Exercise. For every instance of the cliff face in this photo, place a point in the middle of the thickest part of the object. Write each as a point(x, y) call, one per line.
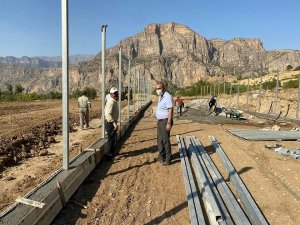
point(164, 51)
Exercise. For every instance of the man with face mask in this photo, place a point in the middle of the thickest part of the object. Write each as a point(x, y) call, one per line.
point(111, 119)
point(164, 116)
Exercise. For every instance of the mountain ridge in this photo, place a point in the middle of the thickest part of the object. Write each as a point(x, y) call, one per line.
point(169, 51)
point(44, 61)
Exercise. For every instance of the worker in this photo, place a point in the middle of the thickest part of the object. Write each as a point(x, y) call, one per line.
point(111, 120)
point(84, 106)
point(107, 97)
point(164, 116)
point(179, 105)
point(212, 104)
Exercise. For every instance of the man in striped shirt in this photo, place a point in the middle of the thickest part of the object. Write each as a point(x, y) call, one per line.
point(164, 116)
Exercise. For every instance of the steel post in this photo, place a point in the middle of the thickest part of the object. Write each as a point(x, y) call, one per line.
point(134, 86)
point(247, 92)
point(65, 81)
point(238, 95)
point(276, 92)
point(298, 102)
point(120, 86)
point(128, 90)
point(103, 30)
point(260, 90)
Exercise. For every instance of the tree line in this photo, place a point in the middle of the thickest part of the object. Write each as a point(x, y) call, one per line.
point(16, 93)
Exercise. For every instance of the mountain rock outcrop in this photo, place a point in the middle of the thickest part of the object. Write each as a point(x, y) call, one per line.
point(163, 51)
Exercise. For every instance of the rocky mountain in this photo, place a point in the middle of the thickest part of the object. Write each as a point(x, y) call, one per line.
point(43, 61)
point(163, 51)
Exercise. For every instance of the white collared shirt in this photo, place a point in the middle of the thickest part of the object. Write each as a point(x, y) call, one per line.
point(165, 102)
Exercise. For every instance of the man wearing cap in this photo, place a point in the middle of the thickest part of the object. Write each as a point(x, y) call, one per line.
point(84, 106)
point(164, 116)
point(111, 118)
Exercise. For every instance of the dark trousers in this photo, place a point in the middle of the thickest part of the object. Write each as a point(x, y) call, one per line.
point(111, 136)
point(163, 140)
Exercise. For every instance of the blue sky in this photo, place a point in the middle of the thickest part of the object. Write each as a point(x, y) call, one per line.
point(33, 27)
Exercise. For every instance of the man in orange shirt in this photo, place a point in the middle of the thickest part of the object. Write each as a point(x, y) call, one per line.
point(179, 105)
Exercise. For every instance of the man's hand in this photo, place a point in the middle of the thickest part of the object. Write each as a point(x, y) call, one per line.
point(115, 125)
point(168, 127)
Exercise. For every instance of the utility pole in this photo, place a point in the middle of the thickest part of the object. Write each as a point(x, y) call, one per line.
point(128, 90)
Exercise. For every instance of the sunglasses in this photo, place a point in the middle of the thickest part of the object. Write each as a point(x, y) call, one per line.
point(158, 88)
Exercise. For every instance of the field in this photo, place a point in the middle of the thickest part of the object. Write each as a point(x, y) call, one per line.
point(118, 191)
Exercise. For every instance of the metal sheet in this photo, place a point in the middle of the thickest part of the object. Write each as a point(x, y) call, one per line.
point(262, 135)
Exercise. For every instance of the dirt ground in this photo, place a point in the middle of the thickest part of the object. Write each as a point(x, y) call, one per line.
point(134, 188)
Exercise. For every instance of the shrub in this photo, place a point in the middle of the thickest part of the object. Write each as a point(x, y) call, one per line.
point(267, 85)
point(289, 67)
point(18, 89)
point(291, 84)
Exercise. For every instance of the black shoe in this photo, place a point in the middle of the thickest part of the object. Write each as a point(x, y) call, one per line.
point(160, 159)
point(167, 162)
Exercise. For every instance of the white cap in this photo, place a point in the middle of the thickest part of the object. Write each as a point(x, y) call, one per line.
point(113, 90)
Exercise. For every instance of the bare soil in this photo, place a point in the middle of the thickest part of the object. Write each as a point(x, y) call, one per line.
point(134, 188)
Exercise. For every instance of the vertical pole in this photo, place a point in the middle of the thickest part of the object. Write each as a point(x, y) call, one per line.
point(214, 89)
point(134, 85)
point(260, 89)
point(224, 88)
point(276, 92)
point(120, 87)
point(103, 29)
point(128, 90)
point(65, 82)
point(298, 102)
point(238, 96)
point(247, 92)
point(138, 87)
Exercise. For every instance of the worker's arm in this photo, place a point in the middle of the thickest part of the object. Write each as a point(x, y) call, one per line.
point(170, 118)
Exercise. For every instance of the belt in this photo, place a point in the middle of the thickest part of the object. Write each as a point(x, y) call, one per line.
point(163, 119)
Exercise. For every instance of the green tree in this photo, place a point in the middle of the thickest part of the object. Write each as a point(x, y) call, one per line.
point(9, 88)
point(289, 67)
point(91, 92)
point(19, 89)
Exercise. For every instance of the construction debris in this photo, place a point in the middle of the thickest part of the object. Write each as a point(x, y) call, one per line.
point(292, 153)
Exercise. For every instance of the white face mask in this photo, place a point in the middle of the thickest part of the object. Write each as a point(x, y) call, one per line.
point(159, 92)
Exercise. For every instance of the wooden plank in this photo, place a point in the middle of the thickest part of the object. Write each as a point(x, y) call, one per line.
point(40, 216)
point(30, 202)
